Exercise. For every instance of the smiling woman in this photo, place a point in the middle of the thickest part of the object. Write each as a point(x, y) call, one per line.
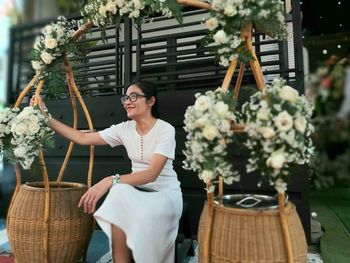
point(150, 144)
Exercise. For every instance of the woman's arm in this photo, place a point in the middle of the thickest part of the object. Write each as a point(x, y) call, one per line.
point(90, 198)
point(76, 136)
point(71, 134)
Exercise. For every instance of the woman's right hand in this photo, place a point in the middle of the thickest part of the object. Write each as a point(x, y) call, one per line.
point(41, 104)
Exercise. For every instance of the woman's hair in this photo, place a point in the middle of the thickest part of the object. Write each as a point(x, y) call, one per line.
point(150, 91)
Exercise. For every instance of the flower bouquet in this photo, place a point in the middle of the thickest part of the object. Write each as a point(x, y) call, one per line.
point(7, 117)
point(279, 132)
point(23, 134)
point(208, 124)
point(227, 18)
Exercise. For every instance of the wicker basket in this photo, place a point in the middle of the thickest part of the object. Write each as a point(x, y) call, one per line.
point(69, 227)
point(44, 222)
point(250, 235)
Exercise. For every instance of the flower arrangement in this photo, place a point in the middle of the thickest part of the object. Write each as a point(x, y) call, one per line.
point(46, 56)
point(24, 133)
point(208, 124)
point(327, 87)
point(279, 132)
point(7, 116)
point(229, 16)
point(105, 12)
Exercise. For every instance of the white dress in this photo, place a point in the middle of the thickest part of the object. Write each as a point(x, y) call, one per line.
point(149, 219)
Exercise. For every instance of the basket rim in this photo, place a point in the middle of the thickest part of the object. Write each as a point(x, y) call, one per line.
point(40, 186)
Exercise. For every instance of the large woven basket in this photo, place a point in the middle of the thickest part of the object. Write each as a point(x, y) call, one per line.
point(250, 236)
point(69, 227)
point(44, 222)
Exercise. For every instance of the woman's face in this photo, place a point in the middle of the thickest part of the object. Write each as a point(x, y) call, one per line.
point(136, 104)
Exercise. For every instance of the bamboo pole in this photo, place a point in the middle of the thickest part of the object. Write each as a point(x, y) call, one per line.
point(209, 230)
point(71, 82)
point(239, 80)
point(285, 228)
point(71, 144)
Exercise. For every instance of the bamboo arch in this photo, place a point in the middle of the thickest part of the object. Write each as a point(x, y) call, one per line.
point(246, 35)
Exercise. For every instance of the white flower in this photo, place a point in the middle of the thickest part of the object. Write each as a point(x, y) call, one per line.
point(36, 65)
point(263, 114)
point(50, 43)
point(212, 23)
point(20, 151)
point(220, 37)
point(300, 123)
point(276, 160)
point(46, 57)
point(111, 6)
point(201, 122)
point(34, 128)
point(102, 10)
point(138, 4)
point(207, 176)
point(221, 108)
point(201, 103)
point(230, 10)
point(313, 215)
point(288, 93)
point(20, 128)
point(267, 132)
point(48, 29)
point(210, 132)
point(280, 186)
point(284, 121)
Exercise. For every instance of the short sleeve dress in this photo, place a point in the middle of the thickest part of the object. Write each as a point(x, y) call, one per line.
point(149, 219)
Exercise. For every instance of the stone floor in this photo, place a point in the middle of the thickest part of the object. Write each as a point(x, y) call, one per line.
point(98, 249)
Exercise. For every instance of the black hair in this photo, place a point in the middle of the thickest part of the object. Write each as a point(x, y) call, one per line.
point(149, 90)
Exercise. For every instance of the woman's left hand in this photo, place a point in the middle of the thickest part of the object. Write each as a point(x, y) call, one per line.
point(90, 198)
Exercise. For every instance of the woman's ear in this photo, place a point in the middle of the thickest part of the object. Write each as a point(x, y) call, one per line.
point(151, 101)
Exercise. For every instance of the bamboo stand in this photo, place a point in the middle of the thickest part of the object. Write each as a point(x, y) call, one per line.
point(246, 35)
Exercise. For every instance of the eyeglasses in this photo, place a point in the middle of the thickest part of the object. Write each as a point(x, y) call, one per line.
point(132, 97)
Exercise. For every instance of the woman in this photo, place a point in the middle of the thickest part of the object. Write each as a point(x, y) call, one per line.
point(139, 224)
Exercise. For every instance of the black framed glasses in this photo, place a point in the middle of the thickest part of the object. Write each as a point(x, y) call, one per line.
point(132, 97)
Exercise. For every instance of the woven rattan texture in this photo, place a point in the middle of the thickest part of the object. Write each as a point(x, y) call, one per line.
point(251, 236)
point(70, 228)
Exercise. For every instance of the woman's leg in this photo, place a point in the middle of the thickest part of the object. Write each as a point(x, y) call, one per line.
point(120, 251)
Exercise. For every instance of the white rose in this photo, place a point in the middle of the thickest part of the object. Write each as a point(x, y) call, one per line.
point(210, 132)
point(230, 10)
point(207, 176)
point(267, 132)
point(50, 43)
point(201, 122)
point(135, 14)
point(221, 108)
point(212, 23)
point(46, 57)
point(20, 129)
point(300, 124)
point(102, 10)
point(111, 7)
point(36, 65)
point(33, 119)
point(34, 128)
point(284, 121)
point(201, 103)
point(276, 160)
point(288, 93)
point(220, 37)
point(20, 152)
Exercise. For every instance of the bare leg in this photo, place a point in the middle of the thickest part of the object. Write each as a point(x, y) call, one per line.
point(120, 251)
